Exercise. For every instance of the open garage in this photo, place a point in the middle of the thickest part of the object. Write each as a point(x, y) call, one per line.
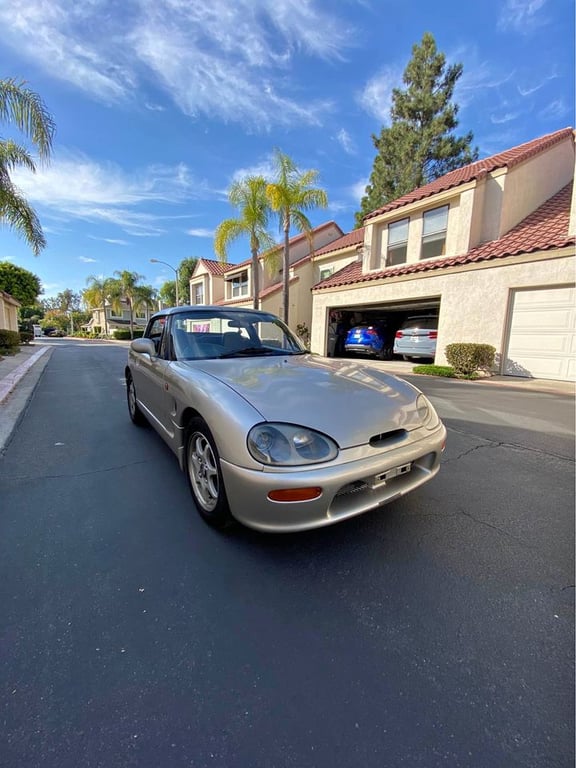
point(387, 317)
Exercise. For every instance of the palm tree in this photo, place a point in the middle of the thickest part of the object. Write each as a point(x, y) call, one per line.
point(144, 297)
point(249, 197)
point(129, 290)
point(96, 296)
point(26, 110)
point(291, 194)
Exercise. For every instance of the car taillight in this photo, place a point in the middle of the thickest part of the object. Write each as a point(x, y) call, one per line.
point(433, 334)
point(371, 332)
point(399, 334)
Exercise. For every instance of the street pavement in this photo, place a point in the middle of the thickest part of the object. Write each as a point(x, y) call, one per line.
point(20, 373)
point(437, 631)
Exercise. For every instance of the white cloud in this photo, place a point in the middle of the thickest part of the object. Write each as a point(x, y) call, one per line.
point(345, 141)
point(554, 110)
point(200, 232)
point(532, 89)
point(229, 60)
point(358, 190)
point(264, 168)
point(376, 96)
point(75, 186)
point(111, 240)
point(522, 15)
point(87, 260)
point(505, 117)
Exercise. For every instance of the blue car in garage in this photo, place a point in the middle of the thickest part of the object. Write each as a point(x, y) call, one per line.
point(368, 339)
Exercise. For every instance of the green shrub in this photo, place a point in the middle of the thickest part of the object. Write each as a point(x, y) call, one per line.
point(466, 359)
point(26, 337)
point(435, 370)
point(9, 340)
point(122, 334)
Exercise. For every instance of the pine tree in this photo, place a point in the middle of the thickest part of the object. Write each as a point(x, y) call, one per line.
point(419, 146)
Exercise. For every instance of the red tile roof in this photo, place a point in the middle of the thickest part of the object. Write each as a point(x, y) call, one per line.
point(544, 229)
point(475, 170)
point(346, 241)
point(215, 267)
point(279, 247)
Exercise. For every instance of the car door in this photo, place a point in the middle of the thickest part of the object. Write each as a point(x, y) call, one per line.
point(149, 372)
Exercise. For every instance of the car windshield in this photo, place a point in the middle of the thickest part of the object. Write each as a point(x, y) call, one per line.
point(213, 333)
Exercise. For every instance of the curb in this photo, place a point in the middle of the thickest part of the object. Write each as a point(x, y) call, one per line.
point(8, 383)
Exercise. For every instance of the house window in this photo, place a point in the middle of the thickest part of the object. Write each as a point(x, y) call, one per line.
point(326, 272)
point(239, 285)
point(115, 312)
point(397, 242)
point(198, 293)
point(141, 314)
point(434, 233)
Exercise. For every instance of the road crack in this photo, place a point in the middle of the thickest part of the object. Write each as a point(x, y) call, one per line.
point(104, 470)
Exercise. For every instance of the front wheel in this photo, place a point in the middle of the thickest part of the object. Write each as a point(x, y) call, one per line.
point(205, 475)
point(135, 413)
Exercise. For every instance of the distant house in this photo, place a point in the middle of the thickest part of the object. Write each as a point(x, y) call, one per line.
point(214, 282)
point(489, 249)
point(105, 320)
point(8, 312)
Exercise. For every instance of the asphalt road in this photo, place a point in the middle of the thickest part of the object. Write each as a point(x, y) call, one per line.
point(437, 631)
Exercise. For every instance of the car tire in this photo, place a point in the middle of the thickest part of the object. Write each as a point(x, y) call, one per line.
point(205, 475)
point(136, 414)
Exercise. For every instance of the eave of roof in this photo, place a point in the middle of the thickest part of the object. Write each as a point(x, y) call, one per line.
point(544, 229)
point(474, 171)
point(355, 237)
point(278, 248)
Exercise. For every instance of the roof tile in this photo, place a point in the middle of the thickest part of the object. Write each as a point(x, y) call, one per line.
point(508, 158)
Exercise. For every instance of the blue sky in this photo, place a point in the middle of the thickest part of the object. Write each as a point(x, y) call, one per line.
point(160, 104)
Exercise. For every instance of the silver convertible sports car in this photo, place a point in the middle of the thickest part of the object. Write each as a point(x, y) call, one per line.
point(269, 434)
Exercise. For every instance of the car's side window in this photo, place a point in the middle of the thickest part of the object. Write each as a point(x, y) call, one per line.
point(155, 331)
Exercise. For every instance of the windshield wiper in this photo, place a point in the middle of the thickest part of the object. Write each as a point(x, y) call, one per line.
point(251, 351)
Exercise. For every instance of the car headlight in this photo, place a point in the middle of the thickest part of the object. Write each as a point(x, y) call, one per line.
point(426, 413)
point(289, 445)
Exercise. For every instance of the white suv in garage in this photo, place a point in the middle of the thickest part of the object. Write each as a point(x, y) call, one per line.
point(417, 337)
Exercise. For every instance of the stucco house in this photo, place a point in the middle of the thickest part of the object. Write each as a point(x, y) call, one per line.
point(105, 320)
point(488, 248)
point(8, 312)
point(214, 282)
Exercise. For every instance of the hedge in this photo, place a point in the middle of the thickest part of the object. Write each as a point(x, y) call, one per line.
point(9, 339)
point(469, 358)
point(121, 334)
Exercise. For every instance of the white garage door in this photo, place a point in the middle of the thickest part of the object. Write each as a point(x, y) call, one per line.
point(542, 341)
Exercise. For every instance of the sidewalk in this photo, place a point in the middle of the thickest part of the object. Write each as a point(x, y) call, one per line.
point(13, 368)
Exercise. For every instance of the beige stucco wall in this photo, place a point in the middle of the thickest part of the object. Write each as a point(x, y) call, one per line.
point(8, 315)
point(474, 301)
point(533, 182)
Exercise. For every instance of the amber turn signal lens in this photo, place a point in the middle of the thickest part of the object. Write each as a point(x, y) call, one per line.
point(295, 494)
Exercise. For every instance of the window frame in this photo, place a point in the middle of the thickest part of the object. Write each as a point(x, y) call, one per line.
point(436, 235)
point(399, 244)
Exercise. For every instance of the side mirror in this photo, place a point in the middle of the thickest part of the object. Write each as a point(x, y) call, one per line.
point(144, 346)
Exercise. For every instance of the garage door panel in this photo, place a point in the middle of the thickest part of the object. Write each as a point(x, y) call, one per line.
point(550, 318)
point(548, 343)
point(542, 338)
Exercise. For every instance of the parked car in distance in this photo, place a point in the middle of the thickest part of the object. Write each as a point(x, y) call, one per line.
point(265, 431)
point(417, 337)
point(368, 340)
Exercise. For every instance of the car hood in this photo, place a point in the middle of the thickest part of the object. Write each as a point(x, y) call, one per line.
point(349, 401)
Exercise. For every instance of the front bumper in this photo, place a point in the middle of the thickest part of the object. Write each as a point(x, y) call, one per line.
point(348, 488)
